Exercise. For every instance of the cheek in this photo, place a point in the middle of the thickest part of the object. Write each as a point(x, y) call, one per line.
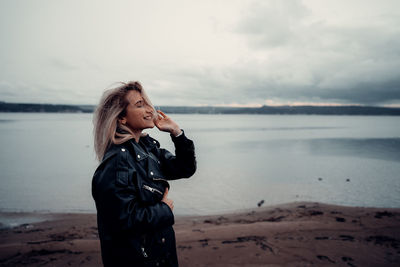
point(133, 120)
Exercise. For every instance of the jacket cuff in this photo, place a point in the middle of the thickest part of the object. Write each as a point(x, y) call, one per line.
point(170, 218)
point(178, 138)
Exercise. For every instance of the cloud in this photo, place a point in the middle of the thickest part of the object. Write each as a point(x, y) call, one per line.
point(294, 56)
point(208, 52)
point(304, 57)
point(272, 23)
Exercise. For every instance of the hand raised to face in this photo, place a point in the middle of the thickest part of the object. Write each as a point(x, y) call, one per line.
point(166, 124)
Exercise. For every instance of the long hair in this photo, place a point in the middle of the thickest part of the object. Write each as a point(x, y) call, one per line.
point(107, 128)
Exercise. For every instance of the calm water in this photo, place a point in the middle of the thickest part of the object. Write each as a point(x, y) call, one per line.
point(47, 161)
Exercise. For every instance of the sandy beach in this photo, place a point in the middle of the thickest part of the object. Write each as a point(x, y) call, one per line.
point(295, 234)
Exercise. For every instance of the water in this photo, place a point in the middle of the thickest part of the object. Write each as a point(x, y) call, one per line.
point(47, 161)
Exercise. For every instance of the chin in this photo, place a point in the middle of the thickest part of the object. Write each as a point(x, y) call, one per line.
point(150, 126)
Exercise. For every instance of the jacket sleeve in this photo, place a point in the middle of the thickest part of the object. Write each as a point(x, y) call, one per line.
point(118, 203)
point(183, 164)
point(133, 216)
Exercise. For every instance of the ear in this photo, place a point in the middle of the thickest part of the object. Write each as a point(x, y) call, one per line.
point(122, 121)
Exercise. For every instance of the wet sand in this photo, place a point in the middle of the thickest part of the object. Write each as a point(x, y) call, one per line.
point(295, 234)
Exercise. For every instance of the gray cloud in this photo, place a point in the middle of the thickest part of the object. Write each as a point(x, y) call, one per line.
point(302, 60)
point(272, 23)
point(345, 63)
point(242, 52)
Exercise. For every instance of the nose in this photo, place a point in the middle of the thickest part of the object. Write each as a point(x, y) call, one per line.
point(149, 109)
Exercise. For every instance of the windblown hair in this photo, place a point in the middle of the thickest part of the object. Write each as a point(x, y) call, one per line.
point(107, 128)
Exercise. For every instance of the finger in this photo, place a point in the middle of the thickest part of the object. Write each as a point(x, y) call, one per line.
point(166, 192)
point(159, 115)
point(162, 113)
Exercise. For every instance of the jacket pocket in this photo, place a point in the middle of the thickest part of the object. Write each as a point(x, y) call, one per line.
point(122, 178)
point(150, 193)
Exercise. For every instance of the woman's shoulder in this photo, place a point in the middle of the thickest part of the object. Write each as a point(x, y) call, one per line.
point(114, 150)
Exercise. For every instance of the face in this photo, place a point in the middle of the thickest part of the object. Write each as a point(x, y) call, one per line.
point(139, 115)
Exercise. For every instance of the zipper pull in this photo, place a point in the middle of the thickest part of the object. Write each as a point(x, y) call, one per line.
point(144, 252)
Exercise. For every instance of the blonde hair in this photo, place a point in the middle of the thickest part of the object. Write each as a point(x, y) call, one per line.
point(112, 107)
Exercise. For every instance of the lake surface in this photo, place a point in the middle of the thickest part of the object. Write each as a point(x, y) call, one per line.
point(47, 161)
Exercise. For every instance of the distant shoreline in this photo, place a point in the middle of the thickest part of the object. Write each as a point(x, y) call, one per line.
point(271, 110)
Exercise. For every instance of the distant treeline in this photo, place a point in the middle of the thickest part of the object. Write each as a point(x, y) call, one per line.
point(320, 110)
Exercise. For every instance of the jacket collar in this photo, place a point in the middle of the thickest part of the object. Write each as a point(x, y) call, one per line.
point(138, 151)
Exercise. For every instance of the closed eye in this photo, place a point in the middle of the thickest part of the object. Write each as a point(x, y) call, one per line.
point(139, 103)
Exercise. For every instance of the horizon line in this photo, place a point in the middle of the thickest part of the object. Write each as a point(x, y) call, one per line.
point(234, 105)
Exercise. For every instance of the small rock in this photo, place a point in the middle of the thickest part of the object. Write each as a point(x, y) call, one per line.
point(260, 203)
point(319, 179)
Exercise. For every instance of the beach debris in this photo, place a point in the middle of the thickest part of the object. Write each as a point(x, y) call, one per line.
point(217, 221)
point(65, 236)
point(204, 242)
point(322, 257)
point(222, 218)
point(380, 214)
point(383, 240)
point(39, 242)
point(322, 238)
point(319, 179)
point(274, 219)
point(243, 221)
point(27, 226)
point(346, 238)
point(260, 203)
point(315, 212)
point(348, 260)
point(340, 219)
point(260, 241)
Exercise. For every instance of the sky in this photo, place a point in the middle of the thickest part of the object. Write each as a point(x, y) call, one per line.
point(209, 52)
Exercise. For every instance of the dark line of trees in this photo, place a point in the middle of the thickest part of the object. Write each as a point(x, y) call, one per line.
point(320, 110)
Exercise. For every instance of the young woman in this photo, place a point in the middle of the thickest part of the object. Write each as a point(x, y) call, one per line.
point(130, 188)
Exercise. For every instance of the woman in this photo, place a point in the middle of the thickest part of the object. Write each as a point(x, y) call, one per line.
point(130, 188)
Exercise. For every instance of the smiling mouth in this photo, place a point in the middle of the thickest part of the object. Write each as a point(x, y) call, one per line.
point(148, 118)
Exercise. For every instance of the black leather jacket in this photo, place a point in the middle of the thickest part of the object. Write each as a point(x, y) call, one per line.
point(135, 227)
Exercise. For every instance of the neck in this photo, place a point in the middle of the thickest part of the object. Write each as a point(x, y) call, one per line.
point(136, 135)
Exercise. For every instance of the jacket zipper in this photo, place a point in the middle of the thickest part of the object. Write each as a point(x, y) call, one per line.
point(160, 179)
point(151, 189)
point(144, 252)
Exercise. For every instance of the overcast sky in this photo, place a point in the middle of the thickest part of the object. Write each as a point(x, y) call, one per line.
point(208, 52)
